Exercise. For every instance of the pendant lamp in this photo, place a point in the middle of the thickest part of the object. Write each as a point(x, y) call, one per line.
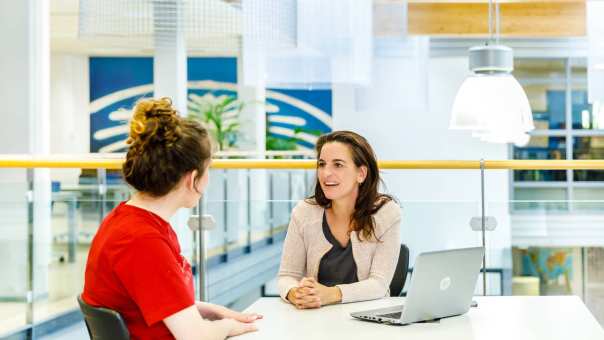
point(490, 102)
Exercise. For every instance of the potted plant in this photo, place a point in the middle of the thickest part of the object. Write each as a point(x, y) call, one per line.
point(218, 114)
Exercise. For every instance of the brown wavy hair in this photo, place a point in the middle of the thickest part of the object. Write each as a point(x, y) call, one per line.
point(369, 200)
point(163, 147)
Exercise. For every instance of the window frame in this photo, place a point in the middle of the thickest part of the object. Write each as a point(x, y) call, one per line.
point(569, 133)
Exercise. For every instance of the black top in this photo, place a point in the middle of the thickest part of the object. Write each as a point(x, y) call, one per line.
point(337, 265)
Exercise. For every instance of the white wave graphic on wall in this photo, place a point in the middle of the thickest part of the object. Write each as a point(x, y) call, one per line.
point(114, 97)
point(291, 120)
point(271, 108)
point(120, 117)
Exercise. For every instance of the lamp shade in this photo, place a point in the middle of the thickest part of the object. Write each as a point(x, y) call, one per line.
point(490, 102)
point(519, 139)
point(495, 107)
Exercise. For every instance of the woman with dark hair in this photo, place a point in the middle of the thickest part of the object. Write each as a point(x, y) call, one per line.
point(342, 243)
point(134, 265)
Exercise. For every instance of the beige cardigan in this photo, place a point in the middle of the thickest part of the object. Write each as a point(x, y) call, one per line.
point(305, 245)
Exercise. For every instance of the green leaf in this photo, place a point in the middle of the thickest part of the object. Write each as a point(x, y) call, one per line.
point(212, 115)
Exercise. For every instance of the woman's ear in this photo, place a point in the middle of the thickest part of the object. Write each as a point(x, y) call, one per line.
point(190, 180)
point(362, 174)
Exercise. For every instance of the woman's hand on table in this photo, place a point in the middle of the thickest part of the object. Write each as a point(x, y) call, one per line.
point(211, 311)
point(303, 297)
point(238, 327)
point(312, 294)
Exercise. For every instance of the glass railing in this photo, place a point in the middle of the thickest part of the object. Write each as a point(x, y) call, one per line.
point(48, 219)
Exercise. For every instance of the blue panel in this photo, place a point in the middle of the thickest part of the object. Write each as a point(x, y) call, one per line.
point(219, 69)
point(110, 74)
point(318, 98)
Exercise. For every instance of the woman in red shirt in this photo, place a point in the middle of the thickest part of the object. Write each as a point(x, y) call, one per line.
point(134, 264)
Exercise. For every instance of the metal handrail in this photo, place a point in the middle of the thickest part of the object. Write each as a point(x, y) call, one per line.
point(103, 161)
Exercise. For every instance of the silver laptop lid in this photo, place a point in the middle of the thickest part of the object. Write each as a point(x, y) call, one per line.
point(442, 284)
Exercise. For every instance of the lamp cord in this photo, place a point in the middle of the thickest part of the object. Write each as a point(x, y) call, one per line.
point(497, 23)
point(494, 26)
point(490, 20)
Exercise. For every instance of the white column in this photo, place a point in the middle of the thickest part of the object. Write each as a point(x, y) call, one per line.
point(170, 80)
point(24, 26)
point(252, 91)
point(170, 59)
point(69, 106)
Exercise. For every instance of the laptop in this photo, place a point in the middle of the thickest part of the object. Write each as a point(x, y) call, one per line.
point(442, 285)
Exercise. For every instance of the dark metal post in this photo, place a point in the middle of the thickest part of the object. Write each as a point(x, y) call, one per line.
point(201, 266)
point(72, 238)
point(102, 189)
point(29, 284)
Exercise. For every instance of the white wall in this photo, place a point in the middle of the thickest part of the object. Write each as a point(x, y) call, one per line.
point(69, 102)
point(70, 98)
point(403, 122)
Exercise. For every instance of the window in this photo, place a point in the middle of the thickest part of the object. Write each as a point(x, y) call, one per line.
point(566, 127)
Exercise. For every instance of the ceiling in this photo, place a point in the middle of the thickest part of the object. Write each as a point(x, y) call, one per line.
point(64, 26)
point(444, 18)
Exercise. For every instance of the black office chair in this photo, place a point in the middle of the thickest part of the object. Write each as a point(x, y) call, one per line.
point(103, 323)
point(400, 274)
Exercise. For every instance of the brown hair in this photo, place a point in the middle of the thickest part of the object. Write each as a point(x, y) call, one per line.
point(163, 147)
point(369, 201)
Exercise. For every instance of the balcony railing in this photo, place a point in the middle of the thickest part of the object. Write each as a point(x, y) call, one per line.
point(51, 206)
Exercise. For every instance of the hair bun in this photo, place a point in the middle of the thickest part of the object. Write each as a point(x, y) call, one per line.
point(155, 123)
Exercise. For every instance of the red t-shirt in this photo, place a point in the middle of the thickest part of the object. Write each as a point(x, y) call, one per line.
point(135, 268)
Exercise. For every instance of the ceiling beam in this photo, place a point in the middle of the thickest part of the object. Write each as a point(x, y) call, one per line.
point(519, 18)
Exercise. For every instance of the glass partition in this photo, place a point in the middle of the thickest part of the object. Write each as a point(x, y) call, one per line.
point(538, 247)
point(13, 258)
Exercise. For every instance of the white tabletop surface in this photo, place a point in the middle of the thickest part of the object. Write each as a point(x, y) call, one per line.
point(506, 317)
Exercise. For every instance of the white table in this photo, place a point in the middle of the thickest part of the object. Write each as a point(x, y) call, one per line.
point(506, 317)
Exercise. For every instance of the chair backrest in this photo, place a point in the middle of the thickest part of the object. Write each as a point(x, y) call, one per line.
point(103, 323)
point(400, 274)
